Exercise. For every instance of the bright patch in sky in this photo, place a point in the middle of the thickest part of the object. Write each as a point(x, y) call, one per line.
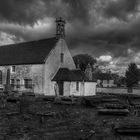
point(6, 38)
point(105, 58)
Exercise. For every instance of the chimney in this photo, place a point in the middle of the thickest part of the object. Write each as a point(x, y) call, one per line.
point(60, 28)
point(88, 72)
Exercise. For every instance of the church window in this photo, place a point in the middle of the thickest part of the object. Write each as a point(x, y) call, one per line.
point(62, 57)
point(18, 83)
point(12, 82)
point(13, 69)
point(28, 83)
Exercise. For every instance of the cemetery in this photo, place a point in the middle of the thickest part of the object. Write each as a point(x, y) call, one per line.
point(99, 117)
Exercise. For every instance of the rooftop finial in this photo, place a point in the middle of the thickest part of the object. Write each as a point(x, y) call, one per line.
point(60, 28)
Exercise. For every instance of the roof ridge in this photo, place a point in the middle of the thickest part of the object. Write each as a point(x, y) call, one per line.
point(26, 42)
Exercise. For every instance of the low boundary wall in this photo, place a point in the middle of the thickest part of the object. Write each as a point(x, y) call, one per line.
point(118, 90)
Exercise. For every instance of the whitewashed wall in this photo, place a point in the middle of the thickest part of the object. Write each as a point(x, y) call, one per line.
point(90, 88)
point(85, 89)
point(73, 90)
point(70, 89)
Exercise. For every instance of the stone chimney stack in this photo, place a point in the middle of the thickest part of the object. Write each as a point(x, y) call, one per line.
point(60, 28)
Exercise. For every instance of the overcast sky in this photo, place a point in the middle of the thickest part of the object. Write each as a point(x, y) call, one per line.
point(107, 29)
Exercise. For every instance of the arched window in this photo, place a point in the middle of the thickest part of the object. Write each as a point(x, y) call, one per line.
point(0, 77)
point(12, 82)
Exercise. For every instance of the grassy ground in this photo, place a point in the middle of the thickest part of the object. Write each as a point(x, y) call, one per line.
point(62, 122)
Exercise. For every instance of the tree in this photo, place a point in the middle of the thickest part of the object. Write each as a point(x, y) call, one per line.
point(83, 60)
point(132, 75)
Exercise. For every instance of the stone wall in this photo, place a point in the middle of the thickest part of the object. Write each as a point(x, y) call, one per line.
point(53, 63)
point(34, 72)
point(117, 90)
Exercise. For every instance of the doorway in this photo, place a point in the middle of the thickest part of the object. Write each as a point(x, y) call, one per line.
point(61, 86)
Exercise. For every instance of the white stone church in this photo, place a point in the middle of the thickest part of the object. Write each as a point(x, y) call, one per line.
point(38, 66)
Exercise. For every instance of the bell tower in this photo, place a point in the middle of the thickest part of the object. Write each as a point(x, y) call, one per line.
point(60, 28)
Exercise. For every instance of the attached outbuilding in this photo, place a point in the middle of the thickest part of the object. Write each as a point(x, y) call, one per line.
point(74, 82)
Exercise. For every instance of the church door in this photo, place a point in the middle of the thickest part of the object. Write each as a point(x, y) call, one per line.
point(61, 87)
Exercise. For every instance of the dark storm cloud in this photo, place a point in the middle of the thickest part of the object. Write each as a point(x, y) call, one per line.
point(90, 26)
point(121, 8)
point(19, 11)
point(115, 41)
point(78, 9)
point(29, 11)
point(114, 36)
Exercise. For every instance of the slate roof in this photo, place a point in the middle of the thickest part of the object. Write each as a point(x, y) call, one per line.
point(34, 52)
point(64, 74)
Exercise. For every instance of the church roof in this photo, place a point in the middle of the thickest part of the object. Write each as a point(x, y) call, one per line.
point(33, 52)
point(64, 74)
